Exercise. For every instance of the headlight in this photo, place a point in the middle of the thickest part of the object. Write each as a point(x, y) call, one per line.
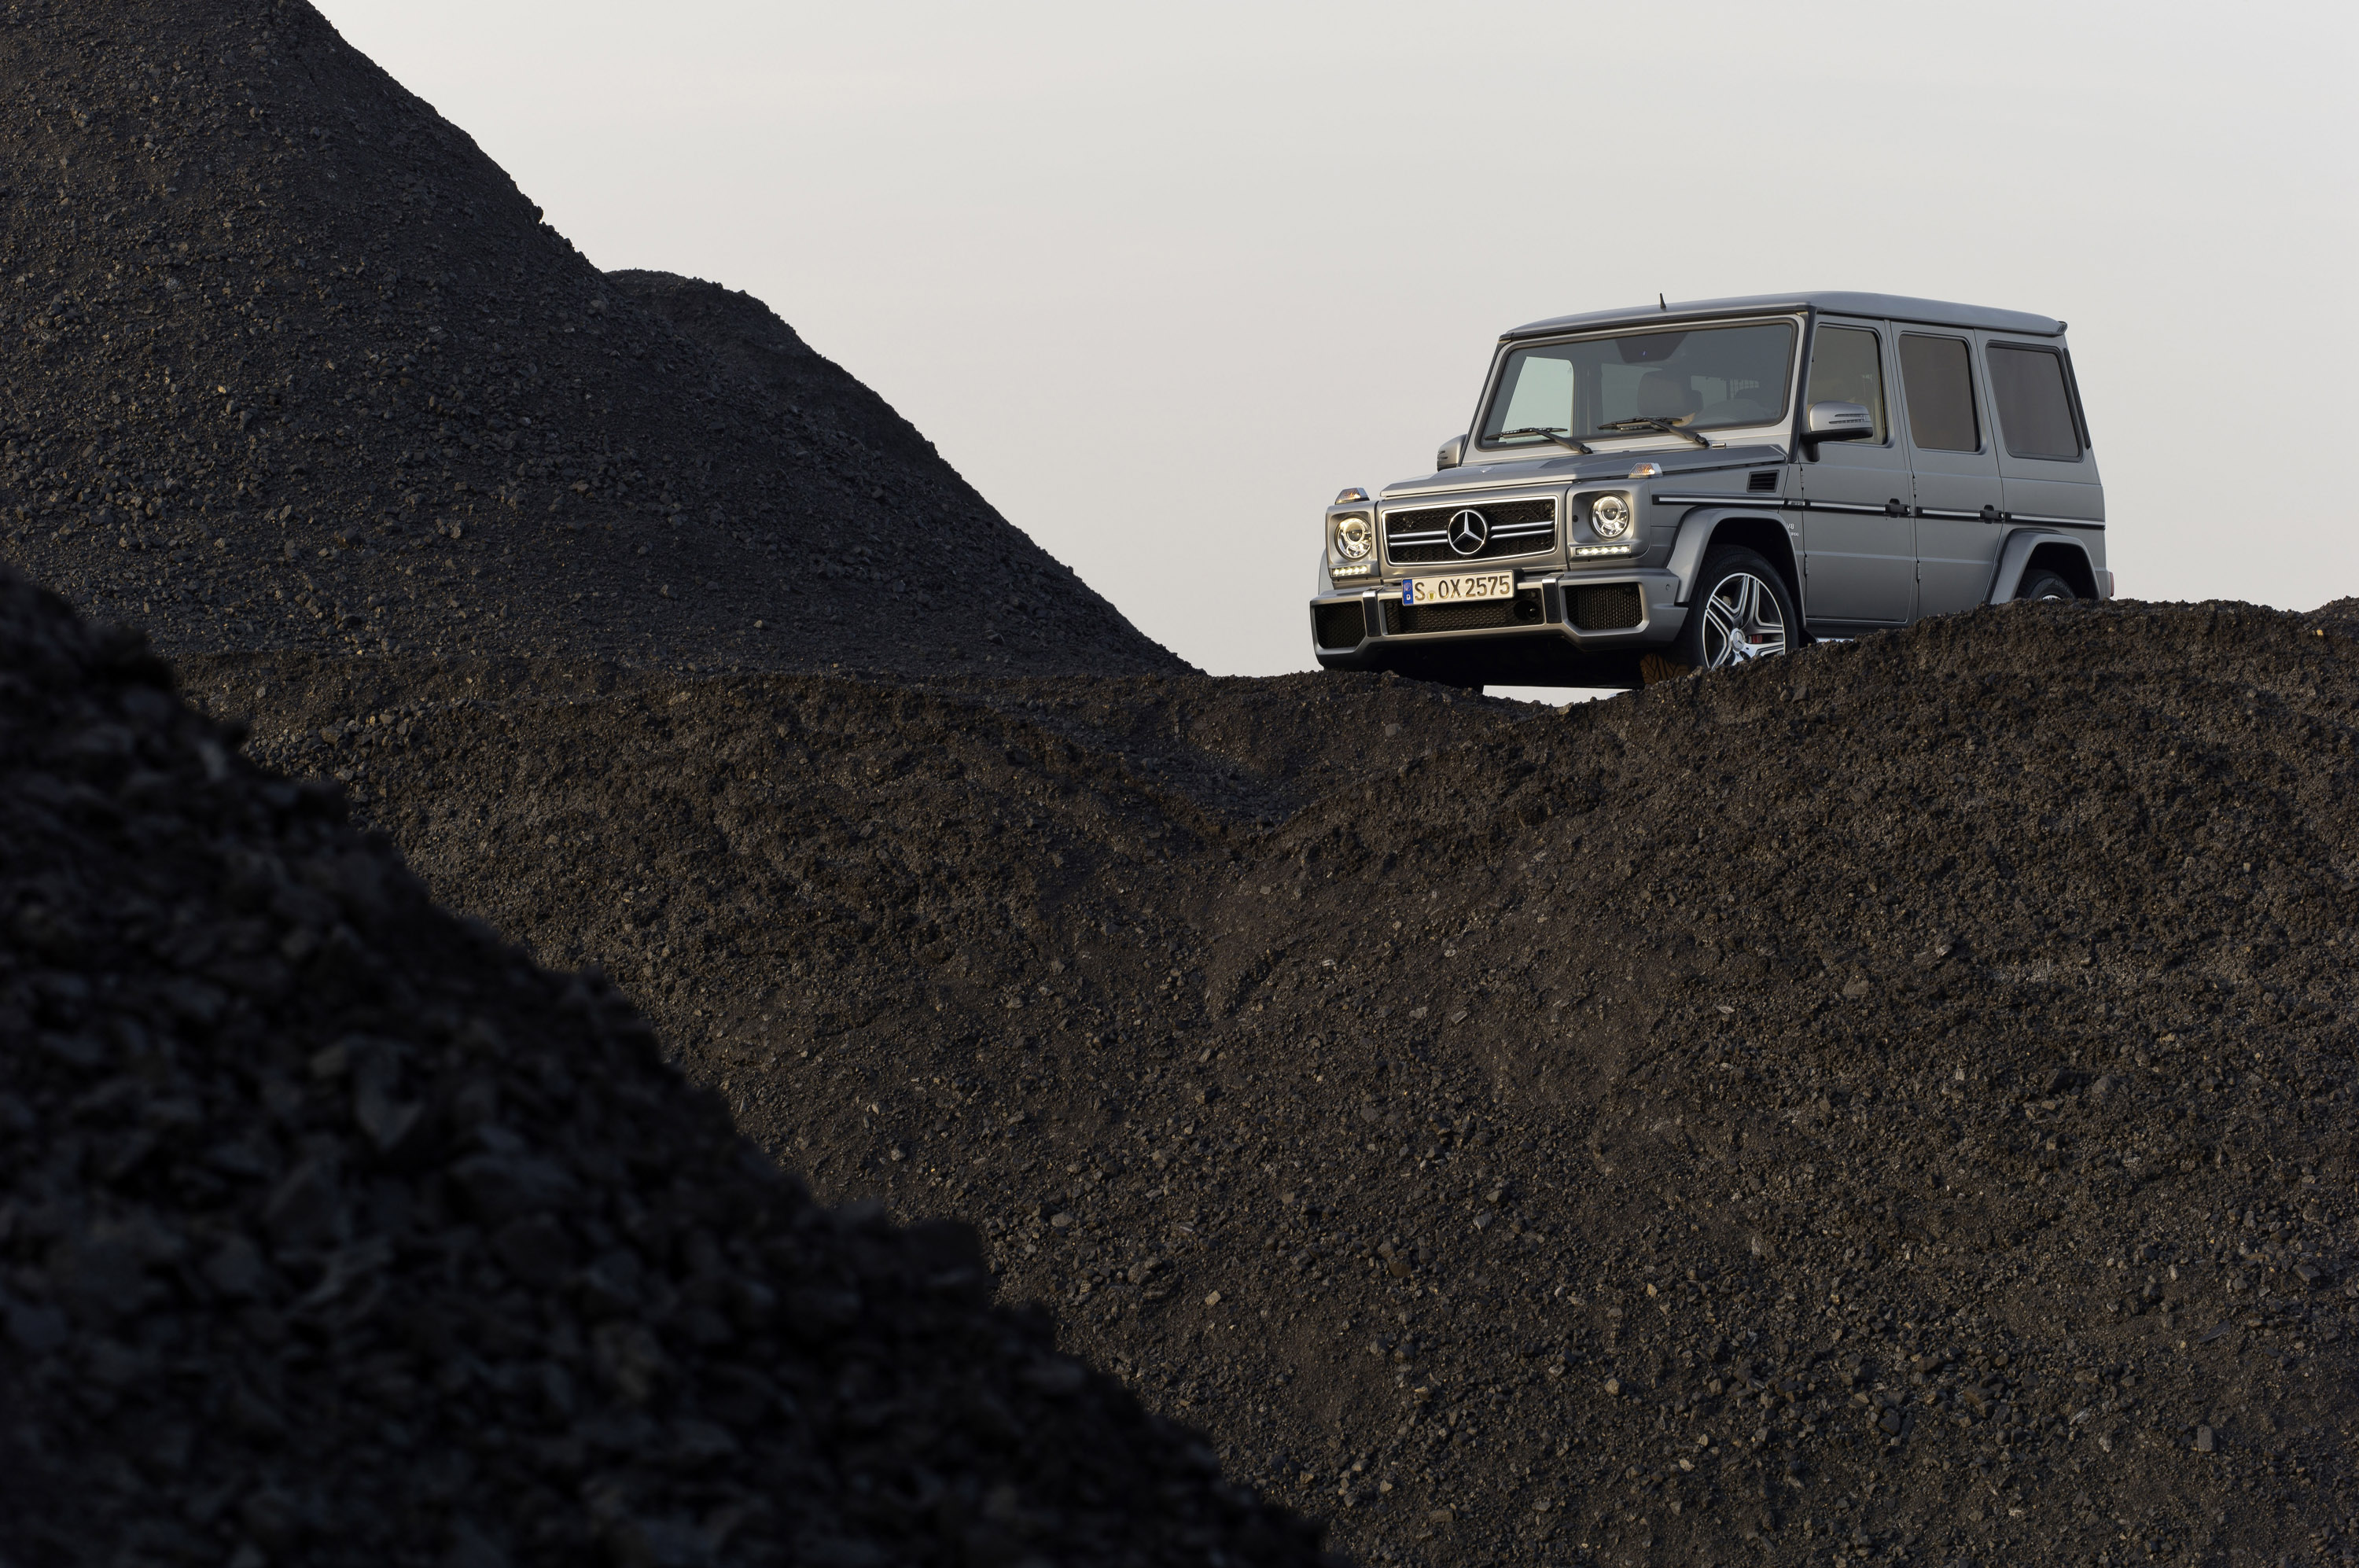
point(1610, 516)
point(1353, 538)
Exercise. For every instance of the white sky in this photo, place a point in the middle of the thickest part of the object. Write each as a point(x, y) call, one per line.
point(1161, 281)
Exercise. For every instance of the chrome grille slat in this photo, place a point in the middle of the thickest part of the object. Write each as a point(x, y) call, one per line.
point(1421, 537)
point(1508, 530)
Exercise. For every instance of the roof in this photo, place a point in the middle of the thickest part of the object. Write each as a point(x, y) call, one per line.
point(1889, 306)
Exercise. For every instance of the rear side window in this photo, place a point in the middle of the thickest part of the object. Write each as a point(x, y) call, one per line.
point(2035, 405)
point(1940, 386)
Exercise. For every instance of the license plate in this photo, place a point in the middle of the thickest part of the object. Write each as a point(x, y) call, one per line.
point(1459, 589)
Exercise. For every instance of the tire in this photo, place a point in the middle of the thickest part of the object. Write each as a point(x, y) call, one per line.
point(1742, 611)
point(2041, 583)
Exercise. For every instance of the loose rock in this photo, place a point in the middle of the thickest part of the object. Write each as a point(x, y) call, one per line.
point(441, 1259)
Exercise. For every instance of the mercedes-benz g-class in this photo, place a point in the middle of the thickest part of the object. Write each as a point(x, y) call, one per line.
point(1717, 482)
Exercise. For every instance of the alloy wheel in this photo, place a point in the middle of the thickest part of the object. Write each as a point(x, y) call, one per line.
point(1743, 622)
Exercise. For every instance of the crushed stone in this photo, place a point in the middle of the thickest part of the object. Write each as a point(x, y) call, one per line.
point(1892, 1102)
point(1898, 1098)
point(300, 367)
point(331, 1230)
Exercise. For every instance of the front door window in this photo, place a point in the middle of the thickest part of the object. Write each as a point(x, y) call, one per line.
point(1846, 368)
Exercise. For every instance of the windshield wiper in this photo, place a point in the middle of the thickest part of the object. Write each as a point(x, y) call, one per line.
point(1556, 434)
point(1665, 425)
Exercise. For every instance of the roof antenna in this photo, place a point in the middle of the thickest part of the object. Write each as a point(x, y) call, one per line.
point(1659, 303)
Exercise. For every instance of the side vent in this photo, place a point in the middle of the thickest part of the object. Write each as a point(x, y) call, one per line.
point(1761, 482)
point(1608, 607)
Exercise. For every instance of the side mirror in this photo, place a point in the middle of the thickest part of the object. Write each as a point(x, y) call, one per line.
point(1453, 451)
point(1838, 421)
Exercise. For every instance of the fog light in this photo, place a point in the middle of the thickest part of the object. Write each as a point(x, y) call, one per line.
point(1346, 573)
point(1353, 538)
point(1610, 516)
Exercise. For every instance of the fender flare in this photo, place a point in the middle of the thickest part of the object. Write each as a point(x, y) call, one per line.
point(1699, 524)
point(2014, 555)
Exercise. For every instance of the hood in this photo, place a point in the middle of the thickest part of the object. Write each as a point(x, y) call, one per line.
point(1568, 468)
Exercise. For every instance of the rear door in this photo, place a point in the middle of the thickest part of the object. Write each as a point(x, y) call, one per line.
point(1858, 548)
point(1959, 527)
point(2046, 469)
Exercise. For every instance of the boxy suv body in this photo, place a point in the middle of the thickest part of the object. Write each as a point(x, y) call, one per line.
point(1718, 481)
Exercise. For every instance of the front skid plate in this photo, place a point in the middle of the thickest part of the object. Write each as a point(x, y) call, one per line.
point(1497, 658)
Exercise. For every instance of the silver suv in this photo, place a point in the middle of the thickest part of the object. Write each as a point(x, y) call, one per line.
point(1717, 482)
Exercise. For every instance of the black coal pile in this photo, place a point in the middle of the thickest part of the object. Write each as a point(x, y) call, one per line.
point(300, 367)
point(1894, 1102)
point(335, 1232)
point(747, 338)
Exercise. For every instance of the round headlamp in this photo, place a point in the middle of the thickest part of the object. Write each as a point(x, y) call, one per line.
point(1610, 516)
point(1353, 538)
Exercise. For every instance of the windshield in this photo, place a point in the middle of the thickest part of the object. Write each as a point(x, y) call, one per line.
point(1706, 378)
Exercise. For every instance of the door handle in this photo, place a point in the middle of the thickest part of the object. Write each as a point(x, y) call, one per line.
point(1992, 514)
point(1896, 508)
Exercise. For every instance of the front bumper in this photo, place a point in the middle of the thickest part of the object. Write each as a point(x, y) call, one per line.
point(1567, 618)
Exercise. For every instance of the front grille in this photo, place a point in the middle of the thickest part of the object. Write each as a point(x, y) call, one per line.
point(1607, 607)
point(1516, 528)
point(1523, 610)
point(1340, 625)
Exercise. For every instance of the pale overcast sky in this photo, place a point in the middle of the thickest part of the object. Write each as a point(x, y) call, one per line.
point(1161, 281)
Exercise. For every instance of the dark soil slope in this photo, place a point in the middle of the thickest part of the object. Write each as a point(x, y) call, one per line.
point(333, 1232)
point(297, 367)
point(747, 340)
point(1894, 1100)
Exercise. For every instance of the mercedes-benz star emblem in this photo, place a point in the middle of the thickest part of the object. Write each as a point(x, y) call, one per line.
point(1470, 531)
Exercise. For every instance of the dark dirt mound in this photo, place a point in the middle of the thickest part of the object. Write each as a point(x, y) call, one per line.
point(1897, 1099)
point(747, 338)
point(300, 367)
point(334, 1232)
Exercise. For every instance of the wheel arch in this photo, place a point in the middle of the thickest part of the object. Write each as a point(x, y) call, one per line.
point(2030, 550)
point(1700, 532)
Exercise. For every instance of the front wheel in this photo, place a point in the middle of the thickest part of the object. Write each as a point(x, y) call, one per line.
point(1742, 611)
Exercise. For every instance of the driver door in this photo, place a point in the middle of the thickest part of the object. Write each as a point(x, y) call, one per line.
point(1859, 545)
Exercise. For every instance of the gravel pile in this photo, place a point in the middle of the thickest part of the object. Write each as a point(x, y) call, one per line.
point(300, 367)
point(747, 338)
point(334, 1231)
point(1892, 1103)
